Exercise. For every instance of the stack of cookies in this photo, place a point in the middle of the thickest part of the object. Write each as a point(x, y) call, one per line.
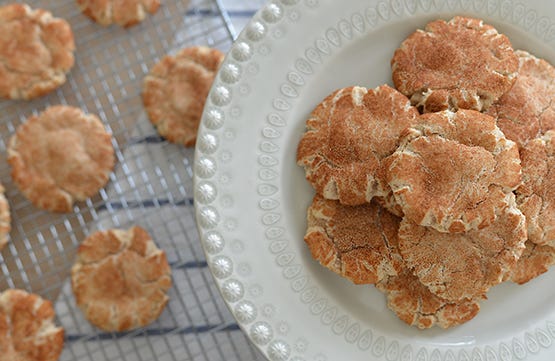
point(439, 189)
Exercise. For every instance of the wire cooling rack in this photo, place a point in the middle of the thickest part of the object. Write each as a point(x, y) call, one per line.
point(151, 186)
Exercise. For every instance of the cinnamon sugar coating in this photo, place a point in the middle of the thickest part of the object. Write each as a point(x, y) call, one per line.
point(536, 196)
point(358, 243)
point(527, 110)
point(347, 137)
point(460, 64)
point(175, 90)
point(458, 266)
point(120, 279)
point(36, 51)
point(453, 170)
point(534, 261)
point(27, 329)
point(415, 305)
point(60, 156)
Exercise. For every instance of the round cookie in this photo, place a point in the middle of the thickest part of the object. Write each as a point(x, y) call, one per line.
point(534, 261)
point(453, 170)
point(536, 195)
point(175, 90)
point(60, 156)
point(36, 51)
point(358, 243)
point(5, 218)
point(527, 111)
point(120, 279)
point(460, 64)
point(414, 304)
point(457, 266)
point(347, 136)
point(122, 12)
point(27, 329)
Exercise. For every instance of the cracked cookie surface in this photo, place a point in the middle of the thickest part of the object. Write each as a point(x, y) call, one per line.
point(36, 51)
point(175, 90)
point(460, 64)
point(347, 136)
point(458, 266)
point(534, 261)
point(122, 12)
point(527, 110)
point(27, 329)
point(120, 279)
point(60, 156)
point(415, 305)
point(358, 243)
point(536, 195)
point(453, 170)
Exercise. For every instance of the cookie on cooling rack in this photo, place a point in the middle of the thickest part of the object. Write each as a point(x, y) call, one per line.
point(456, 266)
point(122, 12)
point(536, 195)
point(358, 243)
point(120, 279)
point(60, 156)
point(453, 170)
point(347, 136)
point(414, 304)
point(460, 64)
point(27, 329)
point(36, 51)
point(175, 90)
point(527, 111)
point(5, 218)
point(534, 261)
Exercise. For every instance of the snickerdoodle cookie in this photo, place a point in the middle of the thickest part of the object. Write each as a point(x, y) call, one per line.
point(347, 136)
point(536, 195)
point(358, 243)
point(122, 12)
point(453, 170)
point(527, 111)
point(460, 64)
point(36, 51)
point(361, 244)
point(27, 329)
point(59, 156)
point(175, 90)
point(414, 304)
point(5, 218)
point(458, 266)
point(534, 261)
point(120, 279)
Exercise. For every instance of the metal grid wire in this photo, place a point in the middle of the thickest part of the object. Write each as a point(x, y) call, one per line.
point(151, 186)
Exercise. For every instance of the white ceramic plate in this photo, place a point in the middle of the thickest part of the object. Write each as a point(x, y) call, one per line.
point(251, 198)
